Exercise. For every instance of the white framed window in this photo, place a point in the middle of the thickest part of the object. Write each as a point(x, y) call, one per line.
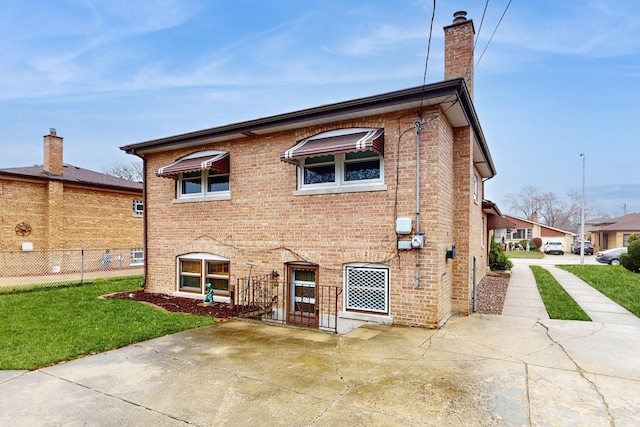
point(520, 234)
point(475, 188)
point(341, 170)
point(136, 256)
point(203, 183)
point(366, 288)
point(195, 270)
point(138, 207)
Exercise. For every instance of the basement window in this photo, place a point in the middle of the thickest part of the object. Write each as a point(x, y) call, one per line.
point(366, 288)
point(195, 270)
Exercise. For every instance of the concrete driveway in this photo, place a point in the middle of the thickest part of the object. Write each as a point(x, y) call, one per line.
point(478, 370)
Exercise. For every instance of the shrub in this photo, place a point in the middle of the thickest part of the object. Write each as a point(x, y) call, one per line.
point(633, 237)
point(532, 245)
point(498, 260)
point(631, 260)
point(537, 241)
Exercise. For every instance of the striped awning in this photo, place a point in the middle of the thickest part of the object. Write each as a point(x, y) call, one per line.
point(336, 142)
point(217, 161)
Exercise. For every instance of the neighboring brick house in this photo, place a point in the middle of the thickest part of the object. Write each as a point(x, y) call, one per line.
point(366, 196)
point(525, 229)
point(59, 206)
point(608, 233)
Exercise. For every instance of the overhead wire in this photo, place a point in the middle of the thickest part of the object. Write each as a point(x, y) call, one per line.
point(475, 43)
point(426, 61)
point(494, 32)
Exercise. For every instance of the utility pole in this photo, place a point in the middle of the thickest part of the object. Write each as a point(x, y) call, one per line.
point(582, 213)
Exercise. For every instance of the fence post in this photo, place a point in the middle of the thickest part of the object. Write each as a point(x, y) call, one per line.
point(82, 266)
point(232, 297)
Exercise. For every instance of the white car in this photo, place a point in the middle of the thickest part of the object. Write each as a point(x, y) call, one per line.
point(554, 248)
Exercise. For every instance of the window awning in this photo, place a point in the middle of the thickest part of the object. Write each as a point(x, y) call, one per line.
point(336, 142)
point(217, 161)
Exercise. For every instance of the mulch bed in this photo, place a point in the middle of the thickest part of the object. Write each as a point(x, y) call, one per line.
point(178, 304)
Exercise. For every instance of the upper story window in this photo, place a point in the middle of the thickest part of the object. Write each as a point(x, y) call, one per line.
point(138, 208)
point(341, 169)
point(200, 176)
point(342, 160)
point(475, 187)
point(202, 183)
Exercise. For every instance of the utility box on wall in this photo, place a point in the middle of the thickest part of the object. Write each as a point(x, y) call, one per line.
point(403, 225)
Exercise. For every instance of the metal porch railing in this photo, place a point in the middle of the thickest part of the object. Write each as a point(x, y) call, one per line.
point(268, 299)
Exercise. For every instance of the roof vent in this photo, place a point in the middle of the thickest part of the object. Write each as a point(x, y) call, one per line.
point(459, 17)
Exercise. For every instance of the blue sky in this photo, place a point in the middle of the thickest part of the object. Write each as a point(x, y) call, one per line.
point(558, 78)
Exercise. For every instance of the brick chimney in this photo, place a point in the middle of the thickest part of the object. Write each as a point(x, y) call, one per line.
point(458, 49)
point(534, 217)
point(53, 154)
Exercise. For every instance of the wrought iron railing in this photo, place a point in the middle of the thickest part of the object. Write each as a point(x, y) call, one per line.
point(268, 299)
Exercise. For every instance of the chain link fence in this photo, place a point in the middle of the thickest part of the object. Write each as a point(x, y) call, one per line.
point(51, 268)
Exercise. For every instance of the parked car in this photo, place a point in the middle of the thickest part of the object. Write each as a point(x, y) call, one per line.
point(588, 248)
point(610, 256)
point(554, 248)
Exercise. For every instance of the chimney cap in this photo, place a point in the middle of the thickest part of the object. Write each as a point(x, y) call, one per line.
point(459, 17)
point(52, 131)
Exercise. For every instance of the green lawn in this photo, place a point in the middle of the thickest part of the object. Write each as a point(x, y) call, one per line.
point(525, 254)
point(44, 327)
point(557, 301)
point(614, 281)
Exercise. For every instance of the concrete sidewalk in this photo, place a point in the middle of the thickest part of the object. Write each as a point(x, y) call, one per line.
point(598, 306)
point(523, 298)
point(475, 371)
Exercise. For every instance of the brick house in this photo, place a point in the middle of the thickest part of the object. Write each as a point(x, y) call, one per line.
point(373, 204)
point(527, 229)
point(608, 233)
point(59, 206)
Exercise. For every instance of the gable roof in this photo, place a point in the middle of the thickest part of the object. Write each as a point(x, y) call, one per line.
point(453, 95)
point(629, 222)
point(73, 175)
point(539, 224)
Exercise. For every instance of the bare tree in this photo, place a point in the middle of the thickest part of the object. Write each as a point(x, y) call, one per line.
point(551, 210)
point(130, 171)
point(526, 202)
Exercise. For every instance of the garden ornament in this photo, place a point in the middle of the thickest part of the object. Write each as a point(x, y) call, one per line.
point(208, 299)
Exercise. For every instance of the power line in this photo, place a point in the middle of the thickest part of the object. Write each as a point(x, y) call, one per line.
point(494, 32)
point(484, 12)
point(426, 61)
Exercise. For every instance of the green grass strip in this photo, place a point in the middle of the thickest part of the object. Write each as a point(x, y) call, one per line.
point(557, 301)
point(45, 327)
point(614, 281)
point(525, 254)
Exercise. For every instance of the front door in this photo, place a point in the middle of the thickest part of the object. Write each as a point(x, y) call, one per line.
point(301, 306)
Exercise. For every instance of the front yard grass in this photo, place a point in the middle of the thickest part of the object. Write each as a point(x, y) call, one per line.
point(614, 281)
point(557, 301)
point(44, 327)
point(525, 254)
